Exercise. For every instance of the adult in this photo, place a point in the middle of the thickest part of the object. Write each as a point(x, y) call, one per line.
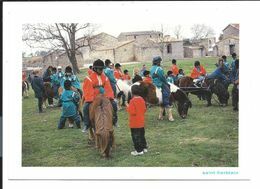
point(233, 67)
point(235, 89)
point(96, 84)
point(219, 73)
point(37, 86)
point(160, 82)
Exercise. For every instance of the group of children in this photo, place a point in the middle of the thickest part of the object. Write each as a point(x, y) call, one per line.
point(101, 79)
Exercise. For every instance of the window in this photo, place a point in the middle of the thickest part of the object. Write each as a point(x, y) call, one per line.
point(150, 36)
point(169, 48)
point(135, 36)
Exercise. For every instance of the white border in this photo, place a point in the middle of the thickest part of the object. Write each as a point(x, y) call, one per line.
point(17, 13)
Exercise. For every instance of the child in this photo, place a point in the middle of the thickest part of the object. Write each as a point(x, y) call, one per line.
point(180, 74)
point(69, 100)
point(37, 86)
point(147, 78)
point(136, 111)
point(126, 76)
point(136, 76)
point(170, 77)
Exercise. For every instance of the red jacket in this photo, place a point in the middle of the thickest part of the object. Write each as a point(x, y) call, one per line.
point(175, 70)
point(136, 111)
point(126, 77)
point(90, 72)
point(91, 87)
point(195, 73)
point(118, 74)
point(148, 80)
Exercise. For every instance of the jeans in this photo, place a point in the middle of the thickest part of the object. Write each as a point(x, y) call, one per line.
point(63, 119)
point(86, 114)
point(113, 85)
point(166, 95)
point(40, 102)
point(138, 137)
point(114, 105)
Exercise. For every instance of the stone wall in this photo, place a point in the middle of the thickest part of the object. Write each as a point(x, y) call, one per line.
point(224, 46)
point(230, 31)
point(125, 53)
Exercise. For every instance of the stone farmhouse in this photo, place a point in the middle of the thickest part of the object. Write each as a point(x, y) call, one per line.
point(229, 41)
point(141, 46)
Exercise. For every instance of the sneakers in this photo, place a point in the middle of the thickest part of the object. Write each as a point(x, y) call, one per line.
point(71, 125)
point(116, 125)
point(145, 150)
point(135, 153)
point(84, 130)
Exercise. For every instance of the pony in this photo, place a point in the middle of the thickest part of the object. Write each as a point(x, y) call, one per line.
point(25, 88)
point(153, 95)
point(206, 90)
point(48, 93)
point(122, 88)
point(101, 119)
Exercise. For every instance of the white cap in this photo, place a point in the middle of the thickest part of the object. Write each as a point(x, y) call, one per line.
point(59, 67)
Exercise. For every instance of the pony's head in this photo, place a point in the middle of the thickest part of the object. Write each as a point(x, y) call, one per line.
point(183, 102)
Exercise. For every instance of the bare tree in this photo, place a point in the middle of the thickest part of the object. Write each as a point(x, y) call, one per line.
point(178, 31)
point(59, 37)
point(201, 31)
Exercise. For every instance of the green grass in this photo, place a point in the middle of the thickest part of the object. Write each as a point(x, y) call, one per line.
point(207, 138)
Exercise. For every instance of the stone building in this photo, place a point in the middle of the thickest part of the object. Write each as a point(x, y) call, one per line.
point(140, 36)
point(194, 51)
point(229, 42)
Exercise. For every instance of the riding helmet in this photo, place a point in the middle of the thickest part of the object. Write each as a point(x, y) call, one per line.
point(98, 64)
point(157, 59)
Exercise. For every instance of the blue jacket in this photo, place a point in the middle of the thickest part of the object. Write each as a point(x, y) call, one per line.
point(74, 81)
point(69, 100)
point(226, 67)
point(37, 85)
point(158, 77)
point(54, 80)
point(60, 75)
point(170, 79)
point(217, 74)
point(110, 74)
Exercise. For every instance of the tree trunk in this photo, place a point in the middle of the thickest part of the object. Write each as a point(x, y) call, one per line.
point(74, 63)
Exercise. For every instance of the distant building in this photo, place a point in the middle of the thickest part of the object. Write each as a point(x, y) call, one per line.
point(229, 42)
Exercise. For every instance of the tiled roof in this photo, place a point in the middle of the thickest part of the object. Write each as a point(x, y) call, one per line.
point(140, 33)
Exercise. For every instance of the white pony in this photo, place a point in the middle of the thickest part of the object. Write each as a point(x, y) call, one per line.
point(123, 87)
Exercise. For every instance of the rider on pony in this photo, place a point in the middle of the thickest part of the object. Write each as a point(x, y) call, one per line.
point(160, 82)
point(109, 72)
point(198, 73)
point(219, 73)
point(96, 84)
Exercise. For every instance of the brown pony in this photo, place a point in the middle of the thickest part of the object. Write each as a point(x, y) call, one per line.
point(48, 92)
point(101, 116)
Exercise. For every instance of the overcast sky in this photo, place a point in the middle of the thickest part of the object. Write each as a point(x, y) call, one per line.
point(116, 17)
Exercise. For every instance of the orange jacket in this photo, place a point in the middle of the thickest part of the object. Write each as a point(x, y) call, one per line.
point(91, 87)
point(175, 70)
point(118, 74)
point(148, 80)
point(136, 111)
point(90, 72)
point(195, 73)
point(126, 77)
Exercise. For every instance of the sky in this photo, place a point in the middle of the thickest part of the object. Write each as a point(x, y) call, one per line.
point(115, 29)
point(116, 17)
